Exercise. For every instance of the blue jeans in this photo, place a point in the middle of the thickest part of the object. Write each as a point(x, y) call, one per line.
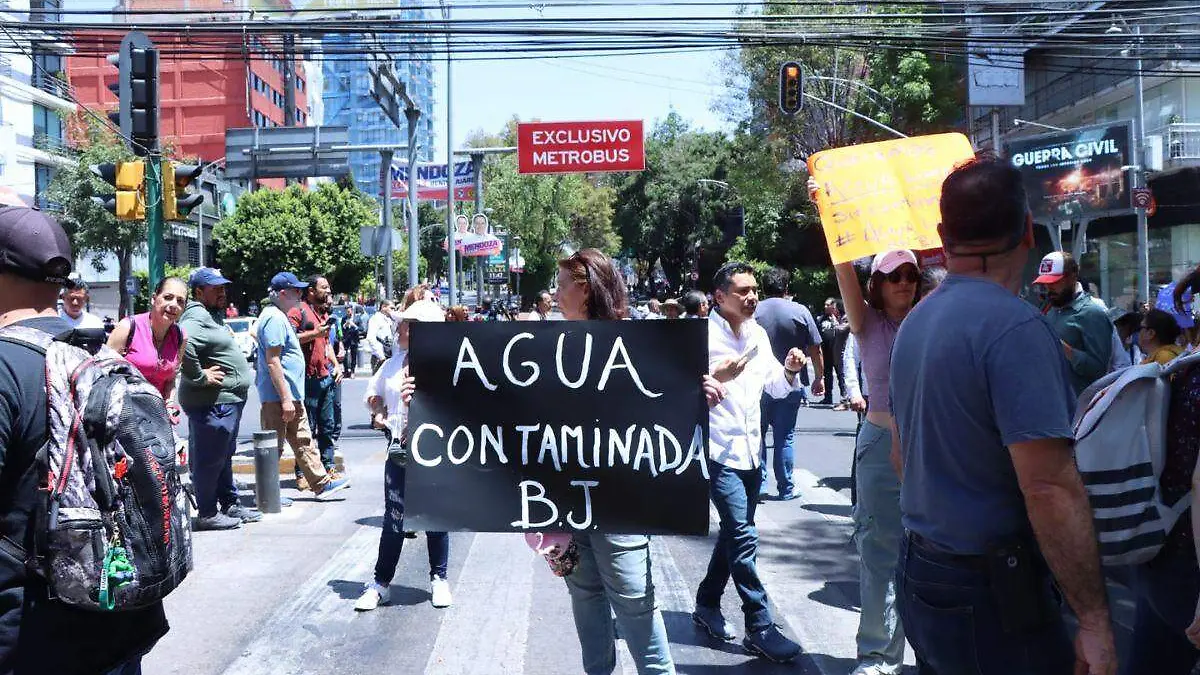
point(733, 492)
point(877, 534)
point(614, 571)
point(131, 667)
point(780, 415)
point(319, 393)
point(954, 624)
point(391, 539)
point(212, 443)
point(1166, 590)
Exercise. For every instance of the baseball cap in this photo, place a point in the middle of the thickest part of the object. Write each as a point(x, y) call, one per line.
point(889, 261)
point(423, 310)
point(207, 276)
point(1052, 268)
point(33, 245)
point(286, 280)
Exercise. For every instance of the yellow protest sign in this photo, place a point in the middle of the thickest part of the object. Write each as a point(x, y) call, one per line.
point(880, 196)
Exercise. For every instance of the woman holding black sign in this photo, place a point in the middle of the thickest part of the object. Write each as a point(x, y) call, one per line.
point(387, 395)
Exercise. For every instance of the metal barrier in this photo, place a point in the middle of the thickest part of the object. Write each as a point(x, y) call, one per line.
point(266, 471)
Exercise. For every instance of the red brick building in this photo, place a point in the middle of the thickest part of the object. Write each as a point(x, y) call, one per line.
point(199, 96)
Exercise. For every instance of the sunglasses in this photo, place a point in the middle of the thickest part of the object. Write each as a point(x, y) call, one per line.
point(909, 275)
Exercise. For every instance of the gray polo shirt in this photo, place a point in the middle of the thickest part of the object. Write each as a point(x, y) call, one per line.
point(788, 324)
point(964, 390)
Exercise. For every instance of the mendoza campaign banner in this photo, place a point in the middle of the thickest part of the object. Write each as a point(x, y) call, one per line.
point(559, 426)
point(431, 181)
point(1075, 174)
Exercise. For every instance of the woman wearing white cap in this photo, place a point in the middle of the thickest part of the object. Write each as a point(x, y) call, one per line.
point(389, 413)
point(874, 320)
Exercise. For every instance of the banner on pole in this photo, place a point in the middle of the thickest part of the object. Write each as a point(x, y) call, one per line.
point(580, 147)
point(569, 426)
point(880, 196)
point(431, 181)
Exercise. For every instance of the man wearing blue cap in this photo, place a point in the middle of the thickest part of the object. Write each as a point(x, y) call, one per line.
point(212, 390)
point(280, 382)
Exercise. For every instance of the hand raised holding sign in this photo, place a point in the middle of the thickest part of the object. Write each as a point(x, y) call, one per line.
point(408, 387)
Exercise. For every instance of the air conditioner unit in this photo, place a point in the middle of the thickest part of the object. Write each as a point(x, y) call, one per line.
point(1152, 153)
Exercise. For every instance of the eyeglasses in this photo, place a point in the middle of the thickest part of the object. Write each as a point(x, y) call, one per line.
point(909, 275)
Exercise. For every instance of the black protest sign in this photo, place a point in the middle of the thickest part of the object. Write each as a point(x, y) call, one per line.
point(597, 426)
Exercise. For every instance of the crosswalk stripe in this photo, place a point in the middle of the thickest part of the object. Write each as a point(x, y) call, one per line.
point(276, 649)
point(485, 605)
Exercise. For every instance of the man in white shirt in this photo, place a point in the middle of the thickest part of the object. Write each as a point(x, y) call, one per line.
point(380, 330)
point(741, 359)
point(75, 299)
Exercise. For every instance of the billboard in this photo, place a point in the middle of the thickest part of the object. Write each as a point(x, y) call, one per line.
point(995, 76)
point(1075, 174)
point(431, 181)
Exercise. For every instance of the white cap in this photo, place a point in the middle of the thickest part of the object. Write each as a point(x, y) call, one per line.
point(423, 310)
point(1052, 268)
point(890, 261)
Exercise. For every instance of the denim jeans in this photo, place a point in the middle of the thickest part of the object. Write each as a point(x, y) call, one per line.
point(614, 571)
point(319, 404)
point(954, 623)
point(780, 415)
point(877, 534)
point(391, 539)
point(1165, 590)
point(212, 443)
point(130, 667)
point(733, 492)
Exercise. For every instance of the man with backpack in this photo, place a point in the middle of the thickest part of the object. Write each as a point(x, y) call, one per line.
point(994, 508)
point(40, 631)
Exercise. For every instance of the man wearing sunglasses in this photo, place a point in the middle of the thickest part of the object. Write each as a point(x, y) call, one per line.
point(1082, 325)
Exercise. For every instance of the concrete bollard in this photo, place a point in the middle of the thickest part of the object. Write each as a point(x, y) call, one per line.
point(266, 471)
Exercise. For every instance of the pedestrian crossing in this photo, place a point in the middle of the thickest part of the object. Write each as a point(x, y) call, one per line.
point(511, 616)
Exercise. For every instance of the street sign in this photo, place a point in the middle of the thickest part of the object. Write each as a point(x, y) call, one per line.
point(131, 285)
point(995, 75)
point(580, 147)
point(1142, 198)
point(286, 152)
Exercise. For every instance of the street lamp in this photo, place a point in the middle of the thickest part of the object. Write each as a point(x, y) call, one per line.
point(1139, 174)
point(1017, 122)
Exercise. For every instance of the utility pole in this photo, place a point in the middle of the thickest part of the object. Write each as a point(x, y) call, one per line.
point(451, 242)
point(385, 188)
point(414, 225)
point(289, 80)
point(1143, 225)
point(480, 262)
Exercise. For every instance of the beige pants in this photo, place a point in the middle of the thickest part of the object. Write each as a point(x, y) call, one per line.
point(299, 436)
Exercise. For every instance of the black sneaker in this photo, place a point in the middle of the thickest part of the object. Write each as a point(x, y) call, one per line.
point(713, 623)
point(243, 513)
point(218, 521)
point(771, 644)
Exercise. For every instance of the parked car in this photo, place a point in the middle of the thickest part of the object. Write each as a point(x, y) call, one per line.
point(242, 329)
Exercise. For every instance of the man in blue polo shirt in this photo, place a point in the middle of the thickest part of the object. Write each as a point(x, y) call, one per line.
point(280, 382)
point(994, 508)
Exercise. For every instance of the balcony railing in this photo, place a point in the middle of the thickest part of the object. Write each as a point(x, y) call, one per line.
point(53, 85)
point(1180, 143)
point(56, 145)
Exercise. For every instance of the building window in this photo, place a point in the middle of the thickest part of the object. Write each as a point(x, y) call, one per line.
point(45, 11)
point(194, 253)
point(42, 175)
point(172, 252)
point(47, 129)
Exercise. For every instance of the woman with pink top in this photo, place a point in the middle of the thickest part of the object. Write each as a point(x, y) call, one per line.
point(153, 342)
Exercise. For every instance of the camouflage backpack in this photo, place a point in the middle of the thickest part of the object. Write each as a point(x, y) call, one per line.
point(110, 531)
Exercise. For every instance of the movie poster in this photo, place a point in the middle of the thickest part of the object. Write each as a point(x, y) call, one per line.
point(1075, 174)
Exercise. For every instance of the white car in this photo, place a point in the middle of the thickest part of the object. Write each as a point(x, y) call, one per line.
point(242, 329)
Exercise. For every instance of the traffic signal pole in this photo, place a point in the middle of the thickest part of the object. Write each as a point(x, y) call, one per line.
point(154, 217)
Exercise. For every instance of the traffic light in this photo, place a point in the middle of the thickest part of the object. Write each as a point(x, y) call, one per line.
point(177, 201)
point(137, 93)
point(791, 88)
point(128, 202)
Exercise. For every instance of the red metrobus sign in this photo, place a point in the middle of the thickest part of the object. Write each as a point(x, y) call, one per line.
point(580, 147)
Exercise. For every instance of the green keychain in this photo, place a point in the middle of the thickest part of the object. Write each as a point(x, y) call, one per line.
point(117, 571)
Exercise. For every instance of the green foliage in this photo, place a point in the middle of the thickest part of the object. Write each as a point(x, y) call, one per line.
point(811, 285)
point(91, 228)
point(295, 230)
point(739, 252)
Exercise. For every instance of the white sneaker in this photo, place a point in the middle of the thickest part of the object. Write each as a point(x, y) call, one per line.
point(440, 589)
point(373, 595)
point(873, 669)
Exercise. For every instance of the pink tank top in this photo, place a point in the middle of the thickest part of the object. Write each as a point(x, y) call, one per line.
point(159, 368)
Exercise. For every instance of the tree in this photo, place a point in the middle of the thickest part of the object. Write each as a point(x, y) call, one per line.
point(295, 230)
point(91, 228)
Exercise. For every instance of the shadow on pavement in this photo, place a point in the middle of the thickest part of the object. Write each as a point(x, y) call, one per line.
point(371, 521)
point(840, 594)
point(835, 482)
point(829, 509)
point(406, 596)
